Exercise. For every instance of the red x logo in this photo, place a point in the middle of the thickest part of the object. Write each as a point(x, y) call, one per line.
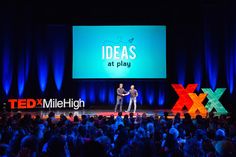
point(184, 99)
point(39, 102)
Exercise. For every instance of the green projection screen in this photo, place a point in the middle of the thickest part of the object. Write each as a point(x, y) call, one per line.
point(119, 52)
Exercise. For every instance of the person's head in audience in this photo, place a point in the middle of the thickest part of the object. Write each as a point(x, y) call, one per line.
point(119, 114)
point(150, 129)
point(166, 115)
point(51, 114)
point(177, 118)
point(126, 117)
point(70, 114)
point(187, 116)
point(174, 132)
point(220, 134)
point(225, 148)
point(29, 146)
point(131, 114)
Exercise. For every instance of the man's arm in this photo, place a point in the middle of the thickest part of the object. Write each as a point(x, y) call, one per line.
point(126, 93)
point(136, 93)
point(118, 92)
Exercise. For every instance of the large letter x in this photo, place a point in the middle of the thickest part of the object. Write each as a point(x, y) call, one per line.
point(184, 99)
point(213, 99)
point(197, 103)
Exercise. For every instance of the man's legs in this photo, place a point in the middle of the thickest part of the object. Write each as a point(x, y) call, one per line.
point(130, 102)
point(121, 103)
point(117, 103)
point(135, 105)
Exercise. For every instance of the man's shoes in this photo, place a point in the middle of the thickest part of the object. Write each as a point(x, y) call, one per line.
point(126, 111)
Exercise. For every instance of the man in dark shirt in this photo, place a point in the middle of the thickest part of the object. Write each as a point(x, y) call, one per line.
point(120, 96)
point(133, 94)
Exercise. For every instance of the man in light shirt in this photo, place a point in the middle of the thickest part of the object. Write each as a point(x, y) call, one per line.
point(133, 95)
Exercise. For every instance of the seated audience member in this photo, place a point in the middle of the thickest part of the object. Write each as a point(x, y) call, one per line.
point(56, 147)
point(225, 148)
point(193, 146)
point(29, 146)
point(70, 117)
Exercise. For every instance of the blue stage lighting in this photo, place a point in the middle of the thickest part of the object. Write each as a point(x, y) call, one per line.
point(211, 60)
point(150, 96)
point(198, 73)
point(58, 42)
point(102, 95)
point(7, 68)
point(21, 76)
point(111, 99)
point(83, 93)
point(58, 66)
point(42, 71)
point(140, 96)
point(161, 97)
point(181, 69)
point(230, 71)
point(92, 94)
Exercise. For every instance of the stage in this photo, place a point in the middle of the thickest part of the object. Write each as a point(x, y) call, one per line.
point(107, 112)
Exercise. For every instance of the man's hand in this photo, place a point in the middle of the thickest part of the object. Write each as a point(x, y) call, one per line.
point(123, 94)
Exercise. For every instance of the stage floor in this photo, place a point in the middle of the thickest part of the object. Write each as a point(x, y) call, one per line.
point(105, 112)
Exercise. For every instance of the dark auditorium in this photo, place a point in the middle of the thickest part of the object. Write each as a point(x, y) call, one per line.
point(105, 78)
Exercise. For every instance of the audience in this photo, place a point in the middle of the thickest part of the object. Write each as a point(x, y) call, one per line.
point(122, 136)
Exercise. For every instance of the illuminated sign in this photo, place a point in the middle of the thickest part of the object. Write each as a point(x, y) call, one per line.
point(188, 98)
point(44, 103)
point(184, 99)
point(197, 103)
point(213, 99)
point(119, 52)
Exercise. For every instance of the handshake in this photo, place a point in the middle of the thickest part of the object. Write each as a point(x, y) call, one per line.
point(125, 94)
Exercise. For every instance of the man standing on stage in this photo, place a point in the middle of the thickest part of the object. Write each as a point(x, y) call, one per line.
point(120, 96)
point(133, 94)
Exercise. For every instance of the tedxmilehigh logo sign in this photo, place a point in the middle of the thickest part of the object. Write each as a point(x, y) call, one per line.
point(119, 52)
